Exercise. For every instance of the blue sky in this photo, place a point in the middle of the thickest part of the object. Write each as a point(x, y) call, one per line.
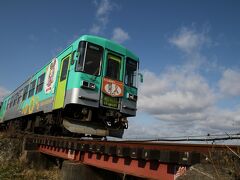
point(189, 51)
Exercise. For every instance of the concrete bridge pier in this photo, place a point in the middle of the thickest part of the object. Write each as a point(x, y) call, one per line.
point(78, 171)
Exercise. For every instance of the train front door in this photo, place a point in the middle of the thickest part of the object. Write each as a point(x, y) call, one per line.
point(62, 82)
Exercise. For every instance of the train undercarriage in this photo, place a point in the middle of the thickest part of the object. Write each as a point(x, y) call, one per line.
point(77, 121)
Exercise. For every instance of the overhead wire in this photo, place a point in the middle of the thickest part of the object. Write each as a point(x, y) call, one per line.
point(206, 138)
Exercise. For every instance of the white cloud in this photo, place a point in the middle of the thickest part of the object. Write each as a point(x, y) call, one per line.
point(95, 29)
point(189, 40)
point(180, 93)
point(211, 121)
point(222, 119)
point(181, 99)
point(3, 92)
point(229, 83)
point(119, 35)
point(176, 94)
point(104, 7)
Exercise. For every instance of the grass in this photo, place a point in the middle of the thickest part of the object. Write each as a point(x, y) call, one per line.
point(225, 163)
point(11, 167)
point(218, 165)
point(20, 171)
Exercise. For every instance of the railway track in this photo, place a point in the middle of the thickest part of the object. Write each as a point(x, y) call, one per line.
point(145, 159)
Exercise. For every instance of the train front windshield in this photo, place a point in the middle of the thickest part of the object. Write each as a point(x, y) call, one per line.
point(113, 67)
point(90, 58)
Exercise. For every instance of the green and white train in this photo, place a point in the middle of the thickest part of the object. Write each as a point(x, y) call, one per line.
point(89, 88)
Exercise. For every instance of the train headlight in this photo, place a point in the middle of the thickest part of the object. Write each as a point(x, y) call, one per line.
point(92, 86)
point(132, 97)
point(87, 85)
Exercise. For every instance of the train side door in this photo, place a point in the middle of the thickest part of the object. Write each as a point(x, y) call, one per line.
point(62, 82)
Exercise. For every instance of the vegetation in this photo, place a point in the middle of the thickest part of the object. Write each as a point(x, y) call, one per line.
point(220, 165)
point(12, 166)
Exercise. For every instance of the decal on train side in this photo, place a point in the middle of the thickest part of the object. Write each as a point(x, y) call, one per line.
point(33, 104)
point(51, 75)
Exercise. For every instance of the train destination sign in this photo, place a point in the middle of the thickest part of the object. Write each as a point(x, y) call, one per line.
point(112, 88)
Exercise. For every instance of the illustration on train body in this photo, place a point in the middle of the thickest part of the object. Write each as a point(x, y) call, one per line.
point(89, 88)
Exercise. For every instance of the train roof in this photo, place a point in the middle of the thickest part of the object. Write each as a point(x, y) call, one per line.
point(108, 44)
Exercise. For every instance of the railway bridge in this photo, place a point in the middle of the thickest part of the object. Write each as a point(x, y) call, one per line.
point(119, 159)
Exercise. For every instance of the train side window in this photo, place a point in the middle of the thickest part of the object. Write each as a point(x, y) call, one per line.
point(15, 100)
point(12, 101)
point(31, 89)
point(19, 99)
point(64, 69)
point(82, 49)
point(40, 83)
point(25, 92)
point(72, 57)
point(9, 101)
point(19, 96)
